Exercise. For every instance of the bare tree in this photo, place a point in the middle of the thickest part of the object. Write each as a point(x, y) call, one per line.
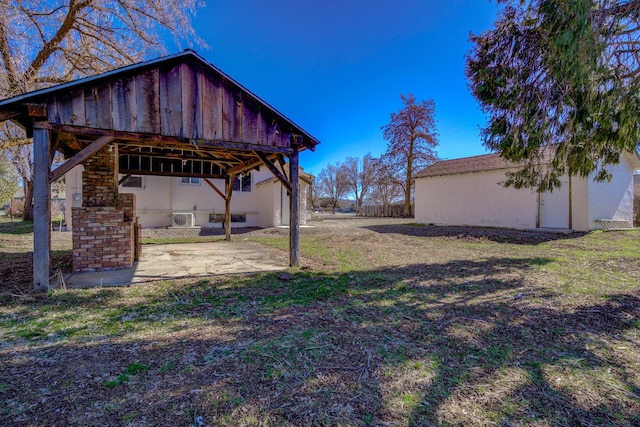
point(8, 181)
point(386, 187)
point(332, 184)
point(315, 194)
point(359, 175)
point(412, 139)
point(49, 42)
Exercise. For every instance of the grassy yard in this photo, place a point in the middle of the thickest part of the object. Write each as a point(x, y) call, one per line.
point(384, 325)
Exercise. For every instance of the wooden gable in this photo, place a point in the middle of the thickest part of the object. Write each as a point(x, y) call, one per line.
point(182, 98)
point(177, 115)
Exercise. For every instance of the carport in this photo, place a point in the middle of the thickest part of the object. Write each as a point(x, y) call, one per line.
point(173, 116)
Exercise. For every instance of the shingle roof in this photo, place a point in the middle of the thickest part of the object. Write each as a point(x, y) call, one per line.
point(485, 162)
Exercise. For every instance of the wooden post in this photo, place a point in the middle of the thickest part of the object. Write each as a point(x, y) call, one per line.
point(570, 204)
point(41, 209)
point(294, 226)
point(228, 183)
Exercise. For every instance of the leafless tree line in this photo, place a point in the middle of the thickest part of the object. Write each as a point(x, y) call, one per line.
point(411, 141)
point(365, 180)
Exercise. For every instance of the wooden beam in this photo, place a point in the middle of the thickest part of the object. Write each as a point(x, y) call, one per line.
point(177, 174)
point(212, 185)
point(157, 139)
point(570, 204)
point(282, 164)
point(294, 212)
point(37, 111)
point(274, 170)
point(241, 168)
point(41, 210)
point(227, 206)
point(8, 115)
point(80, 157)
point(124, 178)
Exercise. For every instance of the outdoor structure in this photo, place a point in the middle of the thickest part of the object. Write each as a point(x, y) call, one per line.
point(468, 191)
point(174, 116)
point(259, 199)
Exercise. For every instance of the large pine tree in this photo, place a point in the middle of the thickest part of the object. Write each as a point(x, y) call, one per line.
point(559, 78)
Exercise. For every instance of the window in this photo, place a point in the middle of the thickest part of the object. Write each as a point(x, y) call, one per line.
point(190, 181)
point(238, 217)
point(234, 218)
point(242, 183)
point(132, 182)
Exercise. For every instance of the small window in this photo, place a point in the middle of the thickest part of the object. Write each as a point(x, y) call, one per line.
point(190, 181)
point(242, 183)
point(132, 182)
point(216, 217)
point(238, 217)
point(219, 218)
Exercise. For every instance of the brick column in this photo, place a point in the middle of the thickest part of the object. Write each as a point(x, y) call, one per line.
point(100, 177)
point(103, 228)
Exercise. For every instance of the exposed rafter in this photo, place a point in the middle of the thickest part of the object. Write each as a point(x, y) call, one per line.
point(275, 171)
point(80, 157)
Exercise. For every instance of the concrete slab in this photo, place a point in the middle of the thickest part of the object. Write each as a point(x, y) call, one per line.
point(174, 261)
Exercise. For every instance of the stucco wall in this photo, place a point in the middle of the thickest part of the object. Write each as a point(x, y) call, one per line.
point(614, 199)
point(160, 196)
point(274, 203)
point(474, 199)
point(579, 210)
point(269, 213)
point(477, 199)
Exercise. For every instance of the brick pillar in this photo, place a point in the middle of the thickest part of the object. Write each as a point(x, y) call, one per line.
point(100, 178)
point(103, 228)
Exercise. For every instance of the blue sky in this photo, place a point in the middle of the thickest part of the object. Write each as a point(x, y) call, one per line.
point(337, 67)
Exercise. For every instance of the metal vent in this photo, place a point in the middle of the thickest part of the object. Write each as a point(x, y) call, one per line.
point(614, 224)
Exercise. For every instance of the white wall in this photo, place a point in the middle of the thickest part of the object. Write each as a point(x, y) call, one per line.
point(269, 209)
point(160, 196)
point(478, 199)
point(474, 199)
point(579, 209)
point(614, 199)
point(274, 203)
point(73, 184)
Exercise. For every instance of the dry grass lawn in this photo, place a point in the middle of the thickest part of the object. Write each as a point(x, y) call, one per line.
point(386, 324)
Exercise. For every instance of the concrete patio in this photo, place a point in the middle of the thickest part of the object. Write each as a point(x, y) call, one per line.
point(184, 260)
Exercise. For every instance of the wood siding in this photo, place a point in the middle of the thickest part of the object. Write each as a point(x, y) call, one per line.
point(182, 100)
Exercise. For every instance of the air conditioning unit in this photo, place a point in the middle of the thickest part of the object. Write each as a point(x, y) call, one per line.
point(183, 219)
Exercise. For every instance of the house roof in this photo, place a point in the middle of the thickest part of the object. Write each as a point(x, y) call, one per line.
point(485, 162)
point(303, 176)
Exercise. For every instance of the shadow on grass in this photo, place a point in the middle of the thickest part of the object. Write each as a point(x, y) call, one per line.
point(17, 227)
point(16, 269)
point(500, 235)
point(456, 343)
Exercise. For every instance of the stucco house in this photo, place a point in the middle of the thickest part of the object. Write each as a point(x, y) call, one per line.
point(468, 191)
point(258, 199)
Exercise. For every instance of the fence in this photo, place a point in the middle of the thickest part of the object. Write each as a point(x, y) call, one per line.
point(394, 211)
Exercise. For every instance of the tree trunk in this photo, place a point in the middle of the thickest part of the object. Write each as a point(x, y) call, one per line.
point(27, 214)
point(407, 183)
